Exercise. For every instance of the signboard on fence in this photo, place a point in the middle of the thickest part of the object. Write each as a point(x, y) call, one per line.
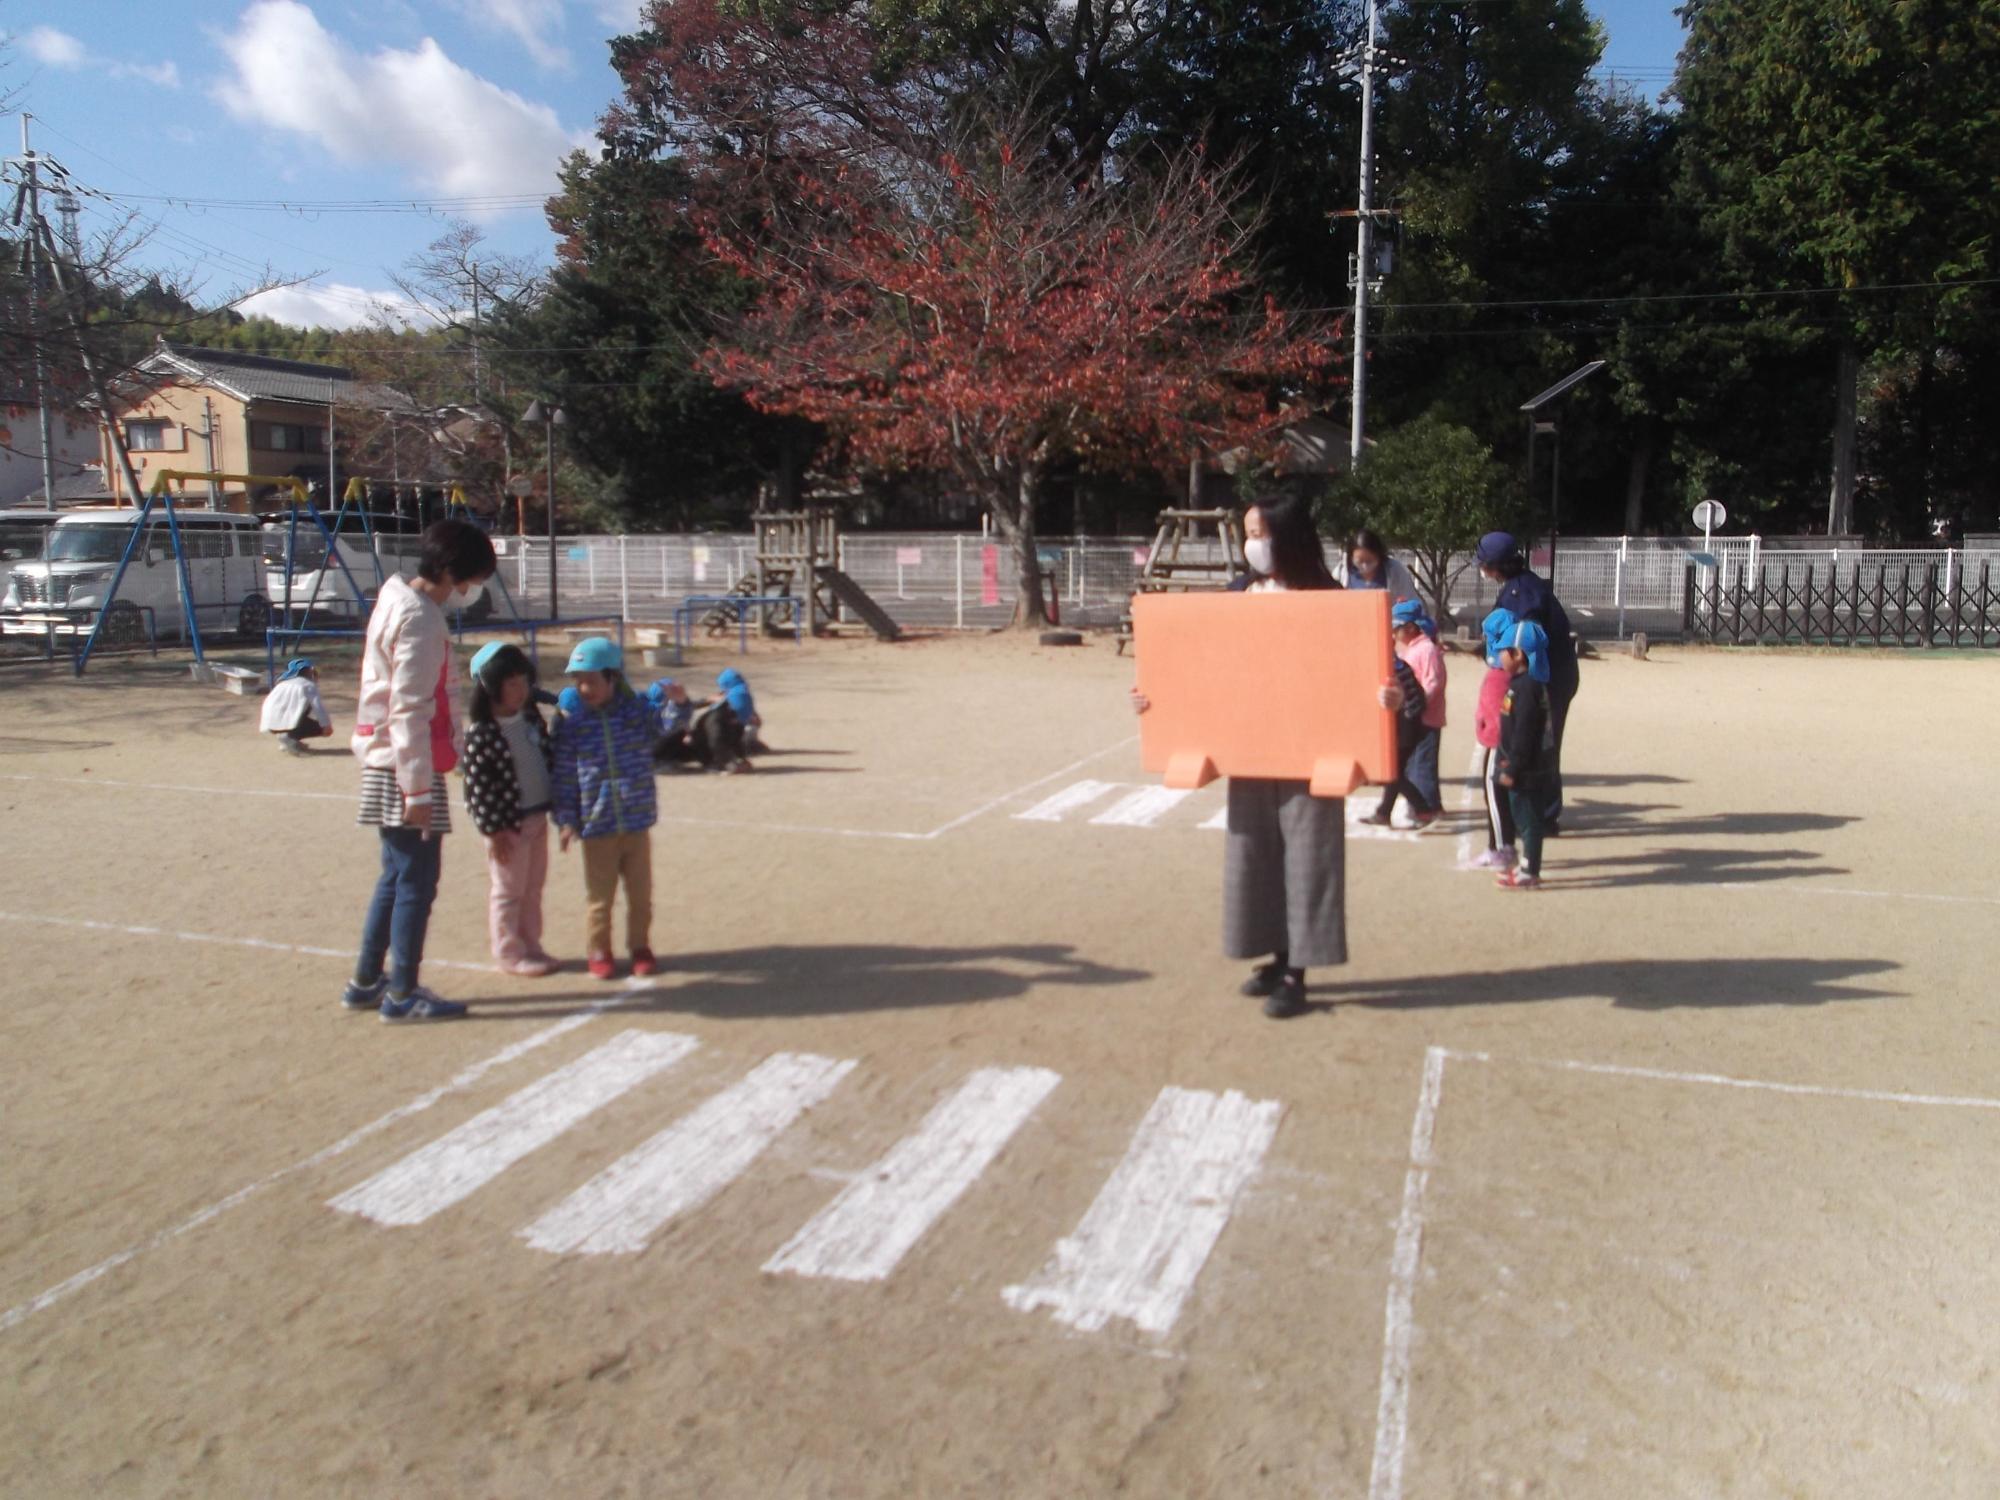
point(909, 557)
point(579, 554)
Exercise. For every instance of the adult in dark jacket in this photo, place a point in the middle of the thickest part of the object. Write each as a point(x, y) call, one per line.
point(1527, 596)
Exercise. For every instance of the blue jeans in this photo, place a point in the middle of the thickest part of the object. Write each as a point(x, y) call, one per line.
point(1417, 778)
point(400, 912)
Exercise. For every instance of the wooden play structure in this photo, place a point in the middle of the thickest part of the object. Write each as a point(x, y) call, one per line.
point(1276, 685)
point(1183, 557)
point(798, 556)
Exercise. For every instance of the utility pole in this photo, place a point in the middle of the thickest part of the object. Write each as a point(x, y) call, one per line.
point(478, 383)
point(32, 189)
point(1364, 248)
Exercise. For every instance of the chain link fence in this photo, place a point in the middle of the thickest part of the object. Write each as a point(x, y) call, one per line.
point(1611, 586)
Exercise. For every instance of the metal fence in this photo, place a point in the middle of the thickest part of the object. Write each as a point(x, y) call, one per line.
point(1611, 586)
point(1899, 603)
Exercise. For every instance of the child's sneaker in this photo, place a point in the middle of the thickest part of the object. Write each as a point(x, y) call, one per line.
point(530, 967)
point(1495, 859)
point(1425, 820)
point(358, 996)
point(1377, 819)
point(420, 1005)
point(644, 965)
point(602, 966)
point(289, 746)
point(1519, 880)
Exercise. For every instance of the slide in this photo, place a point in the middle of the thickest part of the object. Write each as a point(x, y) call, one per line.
point(856, 598)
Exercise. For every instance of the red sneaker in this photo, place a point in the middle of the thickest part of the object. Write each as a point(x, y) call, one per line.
point(603, 966)
point(1515, 880)
point(644, 965)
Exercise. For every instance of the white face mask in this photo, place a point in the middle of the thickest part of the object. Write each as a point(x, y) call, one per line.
point(1257, 553)
point(464, 596)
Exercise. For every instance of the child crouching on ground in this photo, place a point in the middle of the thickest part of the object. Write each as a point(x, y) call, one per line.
point(695, 731)
point(1493, 686)
point(294, 710)
point(736, 693)
point(1527, 745)
point(603, 793)
point(508, 792)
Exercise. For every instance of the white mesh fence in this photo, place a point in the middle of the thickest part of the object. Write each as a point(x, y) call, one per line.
point(1611, 586)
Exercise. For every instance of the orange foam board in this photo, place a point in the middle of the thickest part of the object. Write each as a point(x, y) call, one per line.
point(1278, 685)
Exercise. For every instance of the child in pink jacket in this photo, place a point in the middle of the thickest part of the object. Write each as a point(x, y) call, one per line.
point(1499, 853)
point(403, 739)
point(1418, 741)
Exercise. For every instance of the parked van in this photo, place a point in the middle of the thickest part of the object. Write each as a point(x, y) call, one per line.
point(225, 567)
point(23, 534)
point(387, 545)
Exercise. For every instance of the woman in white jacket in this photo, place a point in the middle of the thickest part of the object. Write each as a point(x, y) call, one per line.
point(403, 737)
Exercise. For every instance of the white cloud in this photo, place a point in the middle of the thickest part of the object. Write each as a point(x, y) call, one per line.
point(330, 304)
point(451, 130)
point(58, 49)
point(532, 22)
point(167, 75)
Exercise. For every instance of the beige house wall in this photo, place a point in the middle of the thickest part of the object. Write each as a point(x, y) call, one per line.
point(188, 411)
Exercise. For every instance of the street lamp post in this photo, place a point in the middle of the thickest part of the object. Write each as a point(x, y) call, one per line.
point(551, 417)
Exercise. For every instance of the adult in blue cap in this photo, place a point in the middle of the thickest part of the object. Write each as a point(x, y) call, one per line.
point(1527, 596)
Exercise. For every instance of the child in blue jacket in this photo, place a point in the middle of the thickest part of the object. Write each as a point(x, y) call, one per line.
point(603, 794)
point(736, 693)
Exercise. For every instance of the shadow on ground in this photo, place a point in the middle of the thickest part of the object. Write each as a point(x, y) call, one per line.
point(1586, 819)
point(830, 979)
point(1636, 984)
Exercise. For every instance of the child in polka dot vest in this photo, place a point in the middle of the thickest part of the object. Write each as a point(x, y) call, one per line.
point(507, 791)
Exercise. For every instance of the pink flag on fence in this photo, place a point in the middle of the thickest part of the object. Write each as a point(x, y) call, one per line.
point(989, 575)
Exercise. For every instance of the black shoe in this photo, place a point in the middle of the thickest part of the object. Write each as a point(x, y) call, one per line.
point(1263, 979)
point(1287, 1000)
point(1377, 820)
point(1552, 828)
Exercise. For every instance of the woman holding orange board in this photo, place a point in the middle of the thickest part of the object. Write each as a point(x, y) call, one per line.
point(1284, 893)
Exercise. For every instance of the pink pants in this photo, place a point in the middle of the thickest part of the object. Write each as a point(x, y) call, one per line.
point(514, 914)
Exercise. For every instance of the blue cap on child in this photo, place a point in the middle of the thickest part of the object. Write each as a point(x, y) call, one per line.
point(298, 666)
point(1495, 626)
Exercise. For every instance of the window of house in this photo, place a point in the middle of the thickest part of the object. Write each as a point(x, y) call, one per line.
point(287, 437)
point(146, 437)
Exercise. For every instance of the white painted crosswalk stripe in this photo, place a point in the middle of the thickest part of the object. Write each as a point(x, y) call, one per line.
point(1142, 1243)
point(459, 1163)
point(689, 1162)
point(871, 1226)
point(1221, 819)
point(1080, 794)
point(1142, 808)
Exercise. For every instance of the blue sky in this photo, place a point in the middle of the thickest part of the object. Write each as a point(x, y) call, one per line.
point(186, 112)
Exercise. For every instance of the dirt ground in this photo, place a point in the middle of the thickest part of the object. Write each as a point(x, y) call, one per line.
point(1672, 1179)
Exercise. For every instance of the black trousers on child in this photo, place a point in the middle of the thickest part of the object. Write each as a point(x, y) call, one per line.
point(1500, 832)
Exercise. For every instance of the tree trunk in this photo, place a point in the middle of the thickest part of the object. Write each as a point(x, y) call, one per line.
point(1840, 497)
point(1015, 513)
point(1635, 482)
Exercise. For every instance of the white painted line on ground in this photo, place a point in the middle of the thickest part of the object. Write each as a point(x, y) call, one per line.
point(1220, 821)
point(871, 1226)
point(1472, 802)
point(1723, 1080)
point(264, 944)
point(458, 1164)
point(1140, 1246)
point(457, 1084)
point(1392, 1411)
point(1021, 791)
point(168, 786)
point(1068, 800)
point(1834, 890)
point(689, 1162)
point(898, 835)
point(1143, 808)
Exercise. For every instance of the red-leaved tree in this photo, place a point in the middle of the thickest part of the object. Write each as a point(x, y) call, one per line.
point(975, 312)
